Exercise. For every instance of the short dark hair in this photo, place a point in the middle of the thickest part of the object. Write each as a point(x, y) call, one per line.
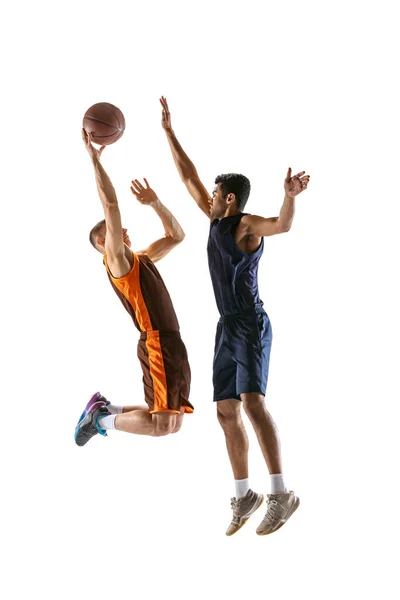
point(234, 183)
point(95, 231)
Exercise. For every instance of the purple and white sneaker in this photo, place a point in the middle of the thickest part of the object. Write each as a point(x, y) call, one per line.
point(95, 398)
point(87, 425)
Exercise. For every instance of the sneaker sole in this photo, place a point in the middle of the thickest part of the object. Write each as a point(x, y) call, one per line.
point(245, 520)
point(295, 506)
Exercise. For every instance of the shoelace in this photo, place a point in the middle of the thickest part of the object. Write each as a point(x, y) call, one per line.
point(235, 504)
point(271, 515)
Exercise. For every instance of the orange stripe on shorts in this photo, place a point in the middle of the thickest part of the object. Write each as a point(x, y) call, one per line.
point(157, 372)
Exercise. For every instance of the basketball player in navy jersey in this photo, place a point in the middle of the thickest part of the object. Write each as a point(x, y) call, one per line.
point(244, 335)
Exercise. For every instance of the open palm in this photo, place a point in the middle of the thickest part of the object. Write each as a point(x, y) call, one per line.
point(296, 184)
point(166, 115)
point(145, 195)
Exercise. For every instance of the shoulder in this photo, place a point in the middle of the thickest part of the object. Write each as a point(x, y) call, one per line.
point(120, 265)
point(244, 222)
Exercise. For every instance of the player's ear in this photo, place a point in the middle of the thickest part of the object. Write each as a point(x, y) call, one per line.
point(101, 241)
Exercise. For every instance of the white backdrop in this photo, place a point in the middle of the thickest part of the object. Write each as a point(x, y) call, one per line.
point(253, 87)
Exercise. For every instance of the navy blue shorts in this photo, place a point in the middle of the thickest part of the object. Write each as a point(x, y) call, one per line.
point(241, 355)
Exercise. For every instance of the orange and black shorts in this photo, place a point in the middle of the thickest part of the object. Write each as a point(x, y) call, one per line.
point(166, 371)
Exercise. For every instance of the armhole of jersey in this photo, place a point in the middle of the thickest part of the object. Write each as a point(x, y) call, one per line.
point(233, 231)
point(135, 259)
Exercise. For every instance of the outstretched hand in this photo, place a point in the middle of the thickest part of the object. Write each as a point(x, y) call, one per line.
point(166, 115)
point(145, 195)
point(94, 153)
point(296, 184)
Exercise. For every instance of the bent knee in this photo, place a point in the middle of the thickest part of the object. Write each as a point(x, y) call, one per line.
point(164, 425)
point(178, 424)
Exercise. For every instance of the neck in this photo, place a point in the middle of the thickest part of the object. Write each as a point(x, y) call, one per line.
point(231, 211)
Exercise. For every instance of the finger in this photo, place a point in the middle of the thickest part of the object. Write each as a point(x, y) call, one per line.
point(134, 186)
point(299, 174)
point(146, 182)
point(166, 105)
point(134, 192)
point(101, 150)
point(133, 182)
point(139, 185)
point(289, 174)
point(84, 135)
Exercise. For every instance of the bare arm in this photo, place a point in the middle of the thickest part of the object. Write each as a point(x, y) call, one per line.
point(184, 165)
point(174, 233)
point(260, 227)
point(114, 243)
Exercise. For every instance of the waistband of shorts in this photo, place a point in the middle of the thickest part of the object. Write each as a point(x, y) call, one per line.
point(144, 335)
point(258, 308)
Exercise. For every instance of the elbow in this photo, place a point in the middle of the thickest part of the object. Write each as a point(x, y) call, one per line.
point(283, 227)
point(110, 204)
point(189, 175)
point(176, 238)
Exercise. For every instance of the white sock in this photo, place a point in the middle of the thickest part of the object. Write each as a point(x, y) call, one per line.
point(115, 410)
point(107, 422)
point(241, 487)
point(277, 484)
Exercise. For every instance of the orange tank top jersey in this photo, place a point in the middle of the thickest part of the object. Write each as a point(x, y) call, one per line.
point(162, 353)
point(145, 296)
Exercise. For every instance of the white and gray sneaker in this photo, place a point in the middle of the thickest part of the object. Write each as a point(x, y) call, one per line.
point(243, 508)
point(280, 508)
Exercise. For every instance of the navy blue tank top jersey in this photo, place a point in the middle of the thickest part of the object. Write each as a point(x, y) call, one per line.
point(233, 272)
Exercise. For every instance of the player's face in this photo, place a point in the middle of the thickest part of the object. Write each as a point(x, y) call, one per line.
point(218, 204)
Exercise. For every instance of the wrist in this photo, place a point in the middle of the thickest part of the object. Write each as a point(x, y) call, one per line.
point(156, 203)
point(288, 197)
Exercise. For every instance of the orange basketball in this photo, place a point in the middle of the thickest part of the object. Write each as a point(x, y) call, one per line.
point(105, 122)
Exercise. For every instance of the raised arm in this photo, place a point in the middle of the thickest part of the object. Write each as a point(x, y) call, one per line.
point(114, 242)
point(173, 231)
point(252, 225)
point(186, 168)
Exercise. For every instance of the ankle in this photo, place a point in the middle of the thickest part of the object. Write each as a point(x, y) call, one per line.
point(277, 484)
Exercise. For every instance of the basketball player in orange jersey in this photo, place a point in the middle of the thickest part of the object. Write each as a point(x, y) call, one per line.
point(244, 334)
point(139, 286)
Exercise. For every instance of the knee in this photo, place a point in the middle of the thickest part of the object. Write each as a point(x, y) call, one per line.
point(178, 425)
point(164, 426)
point(253, 405)
point(229, 420)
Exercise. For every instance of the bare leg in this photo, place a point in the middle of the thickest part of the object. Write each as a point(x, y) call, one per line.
point(142, 423)
point(179, 421)
point(229, 417)
point(266, 430)
point(144, 407)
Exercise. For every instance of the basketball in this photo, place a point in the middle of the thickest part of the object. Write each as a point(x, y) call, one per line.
point(105, 122)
